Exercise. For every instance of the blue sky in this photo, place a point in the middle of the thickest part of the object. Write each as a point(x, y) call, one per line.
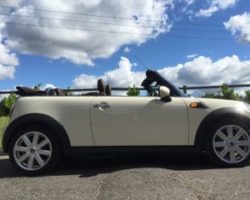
point(191, 40)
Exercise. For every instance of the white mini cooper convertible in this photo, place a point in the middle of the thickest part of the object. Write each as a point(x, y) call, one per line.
point(45, 125)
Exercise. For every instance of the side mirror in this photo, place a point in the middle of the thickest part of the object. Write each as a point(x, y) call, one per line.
point(165, 93)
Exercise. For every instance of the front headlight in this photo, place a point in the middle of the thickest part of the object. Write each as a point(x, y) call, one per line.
point(247, 106)
point(243, 107)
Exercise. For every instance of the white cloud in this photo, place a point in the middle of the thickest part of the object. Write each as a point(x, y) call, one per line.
point(126, 50)
point(214, 6)
point(82, 37)
point(190, 56)
point(82, 46)
point(85, 81)
point(86, 30)
point(190, 2)
point(122, 76)
point(199, 71)
point(239, 25)
point(2, 96)
point(204, 71)
point(48, 85)
point(9, 2)
point(8, 62)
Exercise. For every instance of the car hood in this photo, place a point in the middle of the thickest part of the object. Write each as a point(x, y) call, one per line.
point(222, 103)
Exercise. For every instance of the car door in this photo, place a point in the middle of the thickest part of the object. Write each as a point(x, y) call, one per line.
point(130, 121)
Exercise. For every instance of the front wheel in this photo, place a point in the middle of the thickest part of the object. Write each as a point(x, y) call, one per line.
point(34, 150)
point(228, 144)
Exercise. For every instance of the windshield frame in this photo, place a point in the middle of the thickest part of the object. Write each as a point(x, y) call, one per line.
point(152, 76)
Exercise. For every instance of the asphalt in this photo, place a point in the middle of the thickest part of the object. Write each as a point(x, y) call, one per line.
point(150, 177)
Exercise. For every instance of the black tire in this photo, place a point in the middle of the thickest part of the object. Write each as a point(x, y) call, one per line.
point(209, 143)
point(55, 155)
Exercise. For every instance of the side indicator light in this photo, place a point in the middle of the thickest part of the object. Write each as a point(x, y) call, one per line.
point(198, 105)
point(194, 105)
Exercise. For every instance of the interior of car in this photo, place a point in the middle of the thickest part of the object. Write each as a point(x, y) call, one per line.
point(103, 90)
point(151, 84)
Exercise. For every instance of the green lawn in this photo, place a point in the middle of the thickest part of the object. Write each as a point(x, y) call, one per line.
point(3, 123)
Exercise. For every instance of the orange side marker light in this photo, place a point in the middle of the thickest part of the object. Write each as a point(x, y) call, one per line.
point(194, 105)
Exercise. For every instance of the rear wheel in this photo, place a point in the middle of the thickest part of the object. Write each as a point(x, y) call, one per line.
point(228, 144)
point(34, 151)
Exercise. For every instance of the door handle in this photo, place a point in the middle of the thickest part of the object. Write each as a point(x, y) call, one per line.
point(102, 106)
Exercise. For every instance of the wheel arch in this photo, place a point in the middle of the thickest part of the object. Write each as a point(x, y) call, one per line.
point(37, 119)
point(216, 116)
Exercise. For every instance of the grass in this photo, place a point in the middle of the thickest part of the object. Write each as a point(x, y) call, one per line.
point(3, 123)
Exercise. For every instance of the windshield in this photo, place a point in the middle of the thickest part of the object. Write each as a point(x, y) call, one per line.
point(153, 80)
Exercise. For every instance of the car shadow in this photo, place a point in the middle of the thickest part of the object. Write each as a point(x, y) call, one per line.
point(92, 165)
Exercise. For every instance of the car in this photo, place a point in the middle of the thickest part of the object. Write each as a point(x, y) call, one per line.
point(47, 125)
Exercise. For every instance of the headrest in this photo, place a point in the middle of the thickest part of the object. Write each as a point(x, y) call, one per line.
point(108, 90)
point(101, 86)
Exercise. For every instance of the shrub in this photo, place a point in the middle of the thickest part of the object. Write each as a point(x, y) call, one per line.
point(247, 98)
point(6, 104)
point(133, 91)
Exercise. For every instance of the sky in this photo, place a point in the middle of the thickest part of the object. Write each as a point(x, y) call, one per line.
point(64, 44)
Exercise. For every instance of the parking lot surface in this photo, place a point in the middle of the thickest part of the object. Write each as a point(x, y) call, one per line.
point(129, 177)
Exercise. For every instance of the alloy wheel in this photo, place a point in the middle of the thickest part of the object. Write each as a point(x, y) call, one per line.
point(32, 151)
point(231, 144)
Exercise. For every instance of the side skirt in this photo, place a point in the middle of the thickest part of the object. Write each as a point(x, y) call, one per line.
point(134, 149)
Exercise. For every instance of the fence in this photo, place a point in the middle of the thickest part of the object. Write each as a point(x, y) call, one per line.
point(184, 88)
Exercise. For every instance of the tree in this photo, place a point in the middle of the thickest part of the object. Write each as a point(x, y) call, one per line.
point(247, 98)
point(68, 93)
point(228, 93)
point(7, 103)
point(210, 95)
point(133, 91)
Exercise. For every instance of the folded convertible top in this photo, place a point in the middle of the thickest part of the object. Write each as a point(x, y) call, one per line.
point(26, 91)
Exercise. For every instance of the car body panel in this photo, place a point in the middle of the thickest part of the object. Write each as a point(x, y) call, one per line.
point(130, 121)
point(71, 112)
point(44, 127)
point(223, 103)
point(196, 116)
